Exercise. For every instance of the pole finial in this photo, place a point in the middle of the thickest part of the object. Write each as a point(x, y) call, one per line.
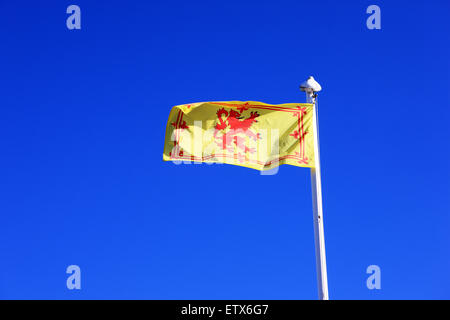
point(310, 85)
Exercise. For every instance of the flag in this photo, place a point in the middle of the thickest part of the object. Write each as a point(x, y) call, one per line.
point(250, 134)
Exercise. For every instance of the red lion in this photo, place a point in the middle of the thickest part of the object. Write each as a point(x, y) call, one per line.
point(236, 124)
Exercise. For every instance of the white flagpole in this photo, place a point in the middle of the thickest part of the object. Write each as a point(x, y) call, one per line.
point(310, 87)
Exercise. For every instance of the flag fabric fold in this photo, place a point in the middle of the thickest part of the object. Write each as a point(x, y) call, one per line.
point(250, 134)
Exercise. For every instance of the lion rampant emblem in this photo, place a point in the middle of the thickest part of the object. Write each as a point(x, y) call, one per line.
point(232, 129)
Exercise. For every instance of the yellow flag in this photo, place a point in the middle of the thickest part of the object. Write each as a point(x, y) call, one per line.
point(250, 134)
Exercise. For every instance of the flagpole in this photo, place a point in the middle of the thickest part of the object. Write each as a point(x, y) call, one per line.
point(311, 87)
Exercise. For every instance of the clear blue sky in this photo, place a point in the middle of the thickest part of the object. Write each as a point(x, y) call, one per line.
point(82, 124)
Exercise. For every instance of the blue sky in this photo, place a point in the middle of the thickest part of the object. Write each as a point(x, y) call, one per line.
point(83, 116)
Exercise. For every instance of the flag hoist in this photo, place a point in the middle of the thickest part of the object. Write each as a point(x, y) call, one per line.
point(256, 135)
